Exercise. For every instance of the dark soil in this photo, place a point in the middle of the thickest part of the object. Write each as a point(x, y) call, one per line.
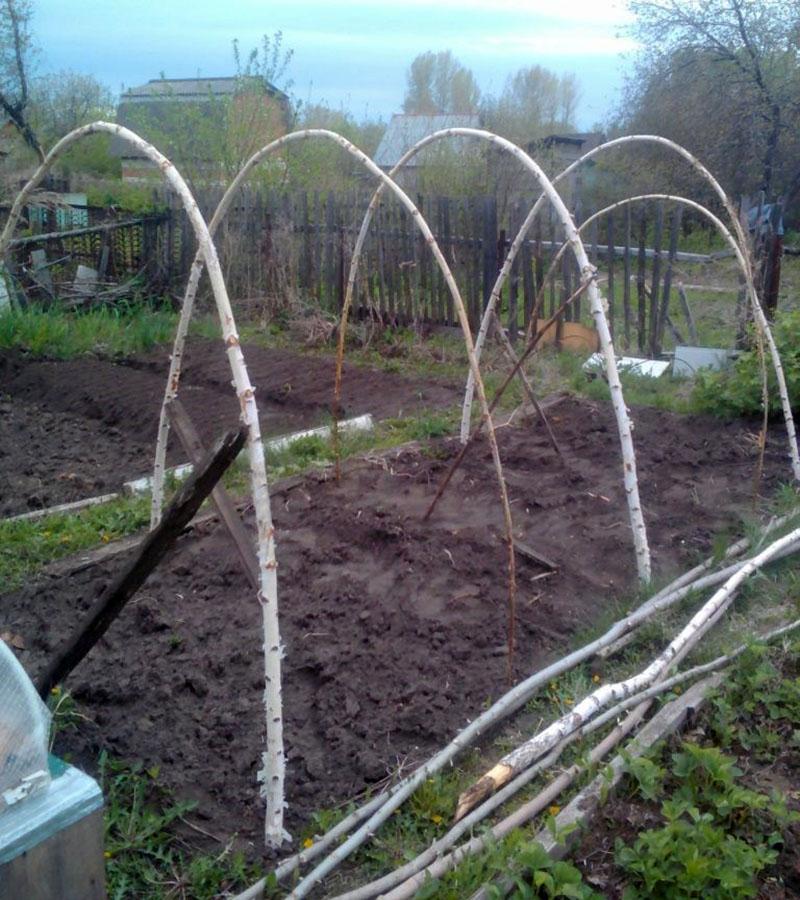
point(395, 629)
point(73, 429)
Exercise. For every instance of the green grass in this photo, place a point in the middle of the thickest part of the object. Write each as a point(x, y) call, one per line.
point(111, 331)
point(27, 545)
point(145, 858)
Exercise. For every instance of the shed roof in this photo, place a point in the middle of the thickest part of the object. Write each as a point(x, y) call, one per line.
point(404, 131)
point(194, 89)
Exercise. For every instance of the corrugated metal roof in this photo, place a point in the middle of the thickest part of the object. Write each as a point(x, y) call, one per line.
point(404, 131)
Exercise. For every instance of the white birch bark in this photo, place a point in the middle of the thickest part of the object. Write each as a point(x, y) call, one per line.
point(624, 427)
point(758, 312)
point(272, 774)
point(379, 809)
point(541, 743)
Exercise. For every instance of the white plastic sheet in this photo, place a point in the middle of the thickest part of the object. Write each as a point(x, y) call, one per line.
point(24, 732)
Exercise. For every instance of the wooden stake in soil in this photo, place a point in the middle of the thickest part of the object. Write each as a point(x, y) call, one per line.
point(146, 557)
point(194, 449)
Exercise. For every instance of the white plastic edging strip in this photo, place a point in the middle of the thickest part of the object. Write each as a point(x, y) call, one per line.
point(62, 508)
point(360, 423)
point(651, 368)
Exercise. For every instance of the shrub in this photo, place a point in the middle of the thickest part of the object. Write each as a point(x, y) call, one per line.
point(737, 391)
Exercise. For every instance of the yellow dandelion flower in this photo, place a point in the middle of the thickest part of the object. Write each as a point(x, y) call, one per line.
point(107, 854)
point(308, 842)
point(554, 810)
point(596, 679)
point(437, 819)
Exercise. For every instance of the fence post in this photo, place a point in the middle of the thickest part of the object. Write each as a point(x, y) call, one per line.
point(490, 266)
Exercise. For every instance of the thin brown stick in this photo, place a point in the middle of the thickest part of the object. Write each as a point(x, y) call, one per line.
point(532, 343)
point(508, 349)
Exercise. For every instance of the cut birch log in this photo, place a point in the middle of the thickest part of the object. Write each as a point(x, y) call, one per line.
point(582, 808)
point(147, 556)
point(503, 707)
point(435, 851)
point(541, 743)
point(520, 816)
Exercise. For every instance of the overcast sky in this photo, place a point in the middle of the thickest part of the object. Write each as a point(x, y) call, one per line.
point(350, 53)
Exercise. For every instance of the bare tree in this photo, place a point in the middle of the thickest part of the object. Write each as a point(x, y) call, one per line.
point(727, 70)
point(15, 51)
point(438, 84)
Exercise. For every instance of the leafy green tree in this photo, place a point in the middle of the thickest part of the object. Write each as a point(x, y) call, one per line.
point(535, 102)
point(319, 165)
point(211, 138)
point(66, 100)
point(438, 84)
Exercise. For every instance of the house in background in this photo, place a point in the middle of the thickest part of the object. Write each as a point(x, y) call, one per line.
point(557, 151)
point(201, 118)
point(404, 131)
point(563, 149)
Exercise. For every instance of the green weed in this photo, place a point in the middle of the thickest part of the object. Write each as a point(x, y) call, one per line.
point(738, 391)
point(144, 857)
point(26, 545)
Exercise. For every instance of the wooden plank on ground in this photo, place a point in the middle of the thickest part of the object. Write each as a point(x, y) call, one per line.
point(149, 553)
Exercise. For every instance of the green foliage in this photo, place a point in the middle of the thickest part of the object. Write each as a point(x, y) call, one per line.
point(138, 199)
point(144, 858)
point(64, 713)
point(760, 708)
point(718, 835)
point(438, 84)
point(692, 858)
point(737, 391)
point(27, 545)
point(544, 877)
point(120, 330)
point(648, 775)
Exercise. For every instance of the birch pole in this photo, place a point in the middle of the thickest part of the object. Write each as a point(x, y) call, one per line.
point(186, 312)
point(758, 312)
point(272, 773)
point(356, 260)
point(523, 756)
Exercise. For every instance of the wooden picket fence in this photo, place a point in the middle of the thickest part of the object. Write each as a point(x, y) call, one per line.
point(131, 256)
point(289, 251)
point(299, 247)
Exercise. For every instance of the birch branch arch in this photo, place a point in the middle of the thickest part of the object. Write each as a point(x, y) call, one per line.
point(638, 528)
point(272, 773)
point(173, 379)
point(758, 312)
